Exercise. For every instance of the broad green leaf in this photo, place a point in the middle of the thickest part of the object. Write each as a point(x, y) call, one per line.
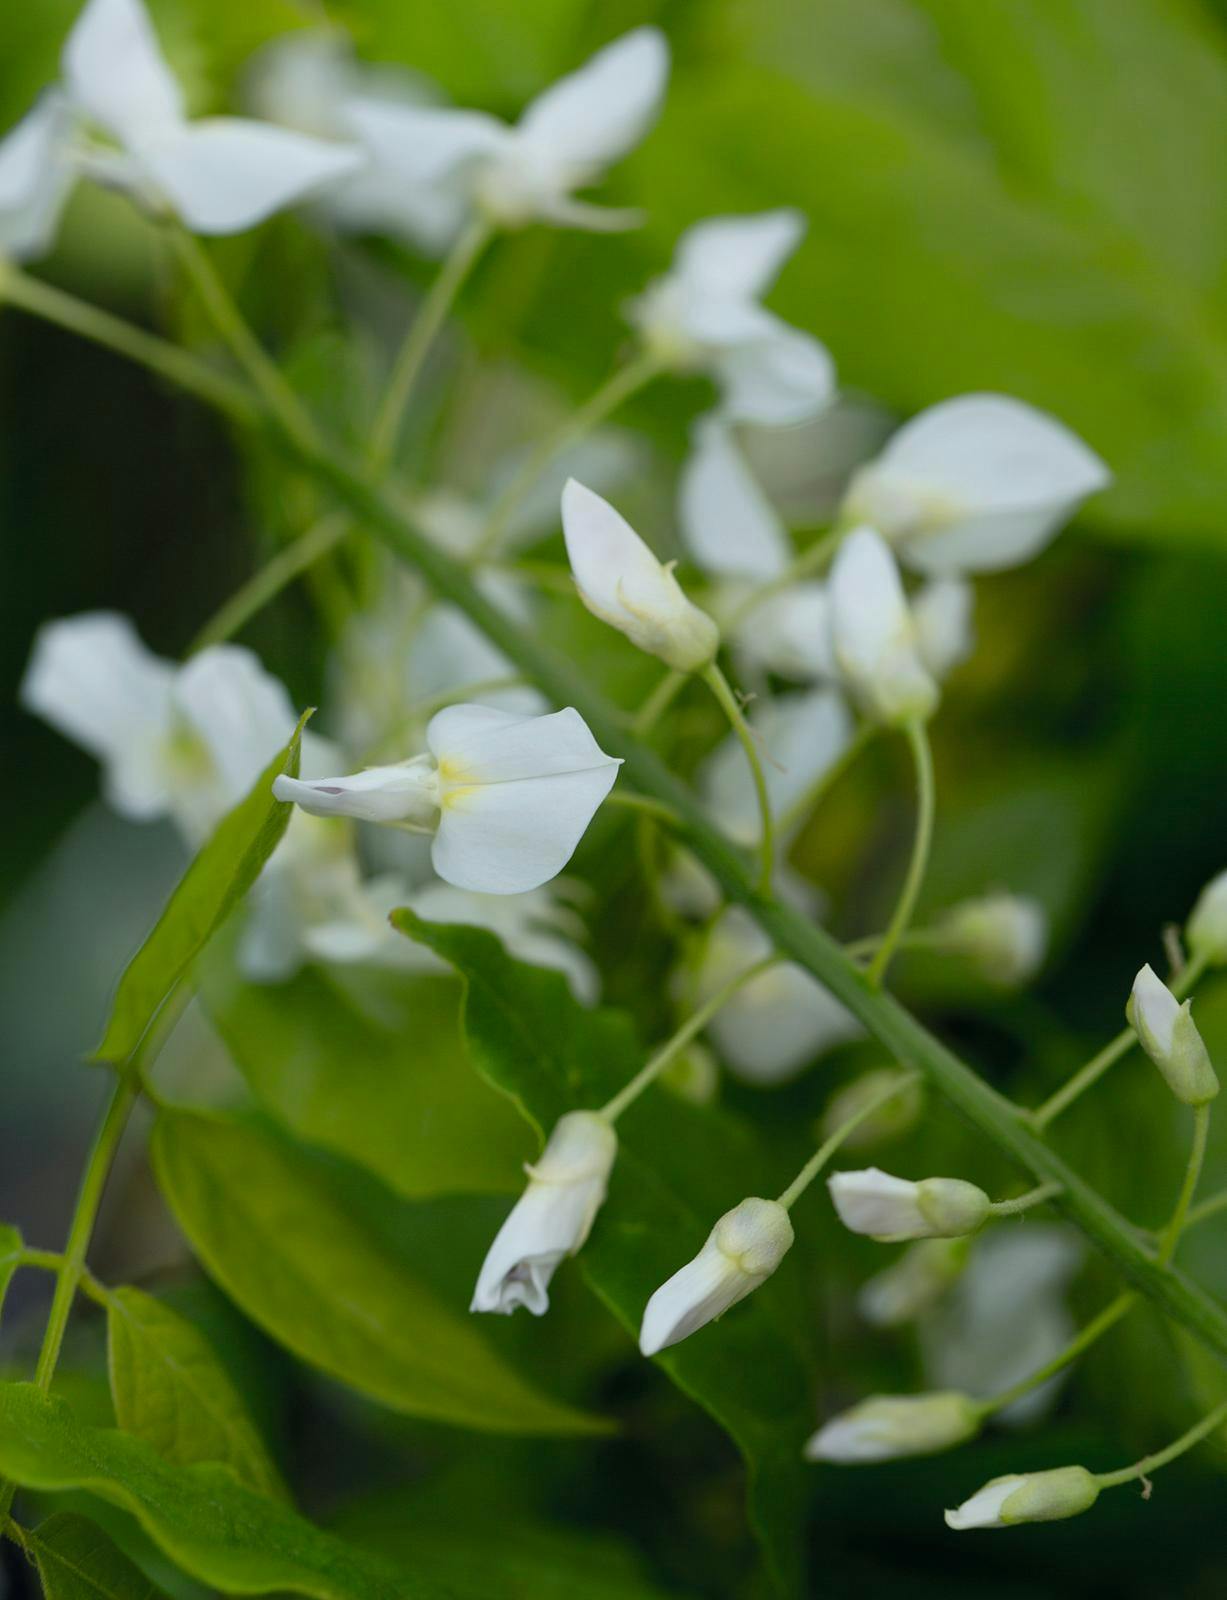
point(677, 1171)
point(76, 1561)
point(11, 1244)
point(313, 1277)
point(221, 874)
point(201, 1517)
point(170, 1389)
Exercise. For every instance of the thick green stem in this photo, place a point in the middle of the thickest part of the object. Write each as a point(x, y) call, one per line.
point(1081, 1341)
point(829, 1146)
point(728, 702)
point(1192, 1172)
point(918, 742)
point(1149, 1464)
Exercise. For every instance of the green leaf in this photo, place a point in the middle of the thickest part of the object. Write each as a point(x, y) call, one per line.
point(320, 1283)
point(11, 1245)
point(676, 1172)
point(76, 1561)
point(170, 1389)
point(201, 1517)
point(221, 874)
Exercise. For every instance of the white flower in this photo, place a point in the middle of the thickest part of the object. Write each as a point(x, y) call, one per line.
point(874, 632)
point(789, 633)
point(975, 484)
point(1006, 935)
point(890, 1208)
point(705, 316)
point(217, 174)
point(1027, 1497)
point(565, 139)
point(941, 615)
point(727, 521)
point(621, 582)
point(552, 1218)
point(742, 1251)
point(507, 797)
point(913, 1283)
point(1206, 931)
point(888, 1426)
point(1169, 1036)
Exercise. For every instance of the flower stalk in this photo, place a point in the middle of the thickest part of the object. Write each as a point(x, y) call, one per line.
point(922, 756)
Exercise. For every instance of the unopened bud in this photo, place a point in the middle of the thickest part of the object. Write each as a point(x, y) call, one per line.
point(892, 1118)
point(1170, 1038)
point(888, 1426)
point(1027, 1497)
point(1206, 932)
point(1005, 935)
point(890, 1208)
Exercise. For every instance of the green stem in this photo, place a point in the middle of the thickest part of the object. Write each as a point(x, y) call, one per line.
point(922, 756)
point(266, 584)
point(1192, 1172)
point(913, 939)
point(1024, 1202)
point(659, 701)
point(829, 1146)
point(1081, 1341)
point(644, 804)
point(693, 1025)
point(812, 561)
point(728, 702)
point(424, 328)
point(1208, 1208)
point(1149, 1464)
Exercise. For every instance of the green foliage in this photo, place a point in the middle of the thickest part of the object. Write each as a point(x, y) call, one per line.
point(76, 1561)
point(220, 875)
point(11, 1244)
point(312, 1276)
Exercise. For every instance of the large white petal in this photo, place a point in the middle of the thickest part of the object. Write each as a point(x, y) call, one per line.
point(590, 118)
point(479, 744)
point(728, 522)
point(423, 144)
point(240, 713)
point(738, 256)
point(610, 561)
point(781, 377)
point(115, 70)
point(36, 174)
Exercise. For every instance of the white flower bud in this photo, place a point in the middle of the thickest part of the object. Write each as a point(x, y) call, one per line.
point(552, 1218)
point(1006, 935)
point(621, 582)
point(913, 1283)
point(887, 1426)
point(1169, 1036)
point(874, 633)
point(889, 1208)
point(742, 1251)
point(1027, 1497)
point(888, 1121)
point(1206, 931)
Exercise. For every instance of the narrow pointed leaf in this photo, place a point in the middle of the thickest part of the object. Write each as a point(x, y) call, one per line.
point(76, 1561)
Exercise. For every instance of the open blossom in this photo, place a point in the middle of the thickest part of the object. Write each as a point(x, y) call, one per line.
point(1027, 1497)
point(874, 631)
point(119, 116)
point(888, 1426)
point(552, 1218)
point(742, 1251)
point(1006, 935)
point(890, 1208)
point(1169, 1036)
point(974, 484)
point(565, 140)
point(705, 316)
point(621, 582)
point(507, 797)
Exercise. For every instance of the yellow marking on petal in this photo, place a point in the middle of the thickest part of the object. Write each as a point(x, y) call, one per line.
point(454, 796)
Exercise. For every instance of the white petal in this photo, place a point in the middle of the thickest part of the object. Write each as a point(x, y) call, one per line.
point(738, 256)
point(240, 713)
point(423, 144)
point(876, 1203)
point(448, 652)
point(480, 745)
point(592, 117)
point(115, 70)
point(533, 927)
point(728, 522)
point(941, 612)
point(800, 737)
point(611, 563)
point(406, 792)
point(781, 377)
point(225, 174)
point(872, 629)
point(982, 1510)
point(1155, 1008)
point(695, 1295)
point(35, 176)
point(790, 634)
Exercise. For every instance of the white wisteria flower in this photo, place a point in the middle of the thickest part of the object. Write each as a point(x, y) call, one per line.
point(705, 316)
point(1206, 930)
point(874, 632)
point(941, 615)
point(728, 522)
point(507, 797)
point(1170, 1037)
point(552, 1218)
point(1027, 1497)
point(889, 1208)
point(565, 140)
point(119, 117)
point(742, 1251)
point(974, 484)
point(888, 1426)
point(621, 582)
point(1005, 935)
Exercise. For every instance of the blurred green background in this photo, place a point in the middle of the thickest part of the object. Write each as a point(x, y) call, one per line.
point(1023, 195)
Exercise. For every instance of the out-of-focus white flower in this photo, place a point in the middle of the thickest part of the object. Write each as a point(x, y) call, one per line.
point(508, 798)
point(912, 1284)
point(216, 174)
point(693, 1075)
point(552, 1218)
point(1206, 930)
point(742, 1251)
point(565, 140)
point(789, 633)
point(621, 582)
point(888, 1426)
point(890, 1119)
point(775, 1024)
point(447, 653)
point(890, 1208)
point(1169, 1036)
point(728, 523)
point(974, 484)
point(1006, 935)
point(941, 615)
point(1027, 1497)
point(875, 635)
point(705, 316)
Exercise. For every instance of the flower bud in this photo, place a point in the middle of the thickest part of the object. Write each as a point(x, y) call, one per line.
point(742, 1251)
point(889, 1208)
point(913, 1283)
point(892, 1118)
point(874, 632)
point(1027, 1497)
point(1005, 935)
point(693, 1075)
point(1170, 1038)
point(887, 1426)
point(1206, 931)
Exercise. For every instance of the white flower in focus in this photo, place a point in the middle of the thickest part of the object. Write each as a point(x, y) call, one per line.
point(876, 644)
point(888, 1208)
point(552, 1218)
point(912, 1284)
point(565, 140)
point(1005, 935)
point(1206, 930)
point(742, 1251)
point(507, 798)
point(621, 582)
point(974, 484)
point(1027, 1497)
point(888, 1426)
point(705, 316)
point(120, 118)
point(1169, 1036)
